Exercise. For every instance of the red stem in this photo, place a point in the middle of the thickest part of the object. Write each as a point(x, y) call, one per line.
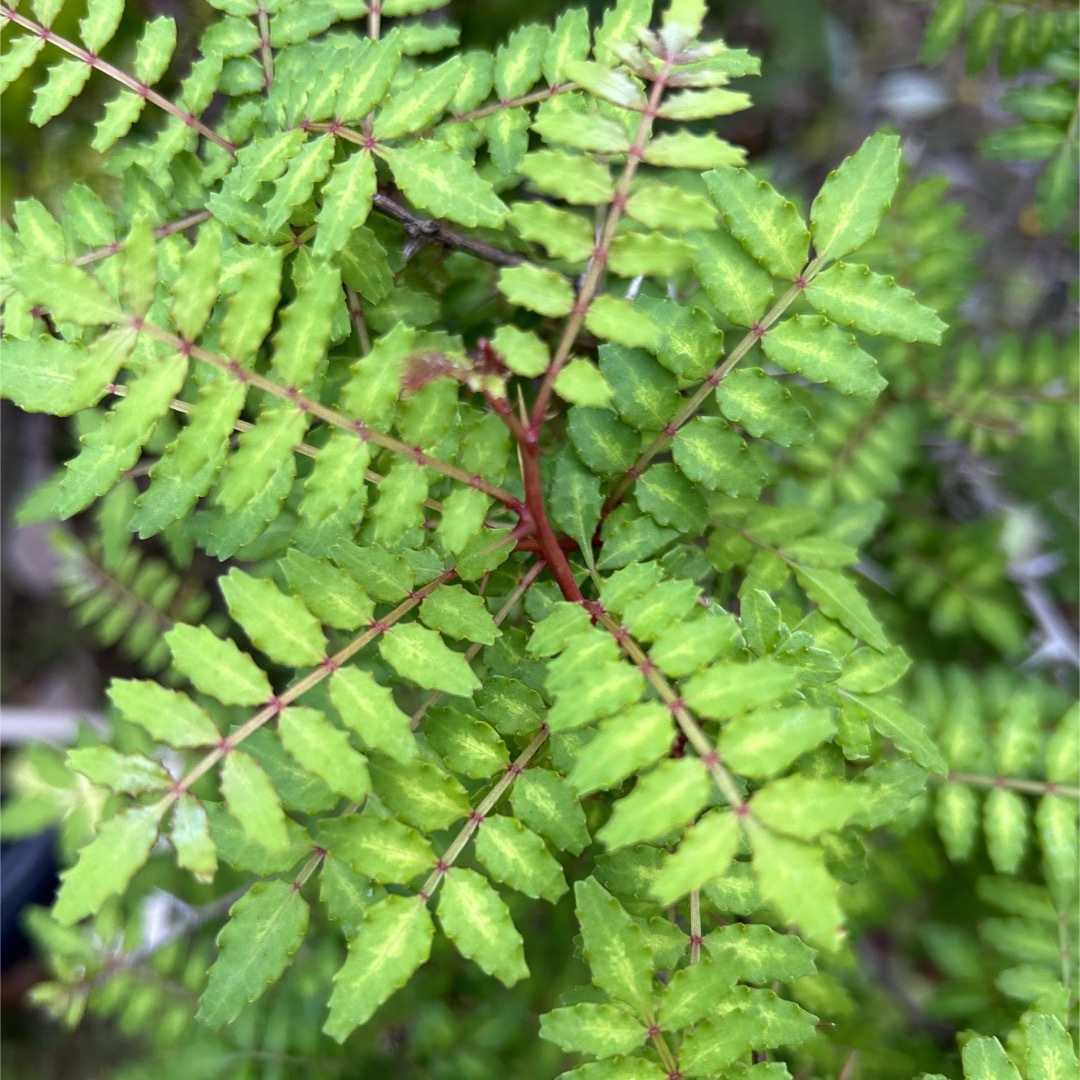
point(536, 514)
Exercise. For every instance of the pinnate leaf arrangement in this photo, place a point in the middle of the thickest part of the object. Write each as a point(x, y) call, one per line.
point(538, 442)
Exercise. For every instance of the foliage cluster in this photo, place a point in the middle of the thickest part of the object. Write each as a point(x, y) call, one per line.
point(577, 505)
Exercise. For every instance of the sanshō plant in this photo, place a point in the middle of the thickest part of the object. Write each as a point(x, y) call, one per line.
point(526, 518)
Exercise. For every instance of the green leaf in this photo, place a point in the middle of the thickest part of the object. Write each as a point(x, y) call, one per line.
point(542, 291)
point(767, 225)
point(727, 689)
point(107, 864)
point(324, 750)
point(420, 793)
point(237, 849)
point(217, 667)
point(327, 592)
point(139, 268)
point(435, 178)
point(64, 83)
point(602, 441)
point(250, 797)
point(383, 576)
point(665, 206)
point(705, 853)
point(115, 445)
point(278, 625)
point(1006, 823)
point(195, 290)
point(569, 40)
point(821, 352)
point(393, 941)
point(621, 322)
point(670, 499)
point(369, 81)
point(467, 745)
point(128, 774)
point(576, 501)
point(759, 954)
point(703, 104)
point(266, 926)
point(1050, 1053)
point(517, 857)
point(458, 613)
point(806, 806)
point(710, 453)
point(766, 741)
point(590, 131)
point(909, 734)
point(518, 62)
point(792, 878)
point(693, 993)
point(415, 107)
point(475, 918)
point(546, 803)
point(690, 344)
point(305, 170)
point(698, 152)
point(614, 946)
point(581, 384)
point(868, 671)
point(855, 196)
point(602, 1030)
point(623, 745)
point(712, 635)
point(835, 594)
point(764, 406)
point(956, 813)
point(943, 29)
point(420, 655)
point(853, 296)
point(47, 374)
point(306, 325)
point(190, 836)
point(985, 1059)
point(670, 796)
point(524, 353)
point(381, 848)
point(564, 234)
point(251, 309)
point(576, 178)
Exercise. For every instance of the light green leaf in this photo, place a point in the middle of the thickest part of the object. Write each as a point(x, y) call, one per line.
point(327, 592)
point(564, 234)
point(569, 40)
point(524, 353)
point(985, 1059)
point(854, 296)
point(324, 750)
point(698, 152)
point(458, 613)
point(369, 81)
point(1006, 823)
point(576, 501)
point(766, 741)
point(47, 374)
point(251, 309)
point(670, 796)
point(237, 849)
point(855, 196)
point(128, 774)
point(764, 406)
point(305, 170)
point(649, 254)
point(806, 806)
point(835, 594)
point(685, 649)
point(400, 505)
point(108, 862)
point(580, 383)
point(195, 290)
point(381, 848)
point(190, 836)
point(739, 288)
point(813, 347)
point(278, 625)
point(517, 857)
point(792, 878)
point(609, 85)
point(576, 178)
point(623, 745)
point(542, 291)
point(591, 132)
point(602, 440)
point(474, 917)
point(419, 792)
point(435, 178)
point(393, 941)
point(547, 804)
point(727, 689)
point(421, 655)
point(602, 1030)
point(217, 667)
point(306, 324)
point(621, 322)
point(64, 83)
point(1056, 821)
point(705, 853)
point(139, 267)
point(759, 954)
point(703, 104)
point(767, 225)
point(518, 62)
point(665, 206)
point(415, 107)
point(868, 671)
point(956, 813)
point(943, 29)
point(909, 734)
point(266, 926)
point(614, 946)
point(250, 797)
point(384, 576)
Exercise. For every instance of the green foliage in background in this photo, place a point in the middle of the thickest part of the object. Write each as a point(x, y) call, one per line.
point(563, 654)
